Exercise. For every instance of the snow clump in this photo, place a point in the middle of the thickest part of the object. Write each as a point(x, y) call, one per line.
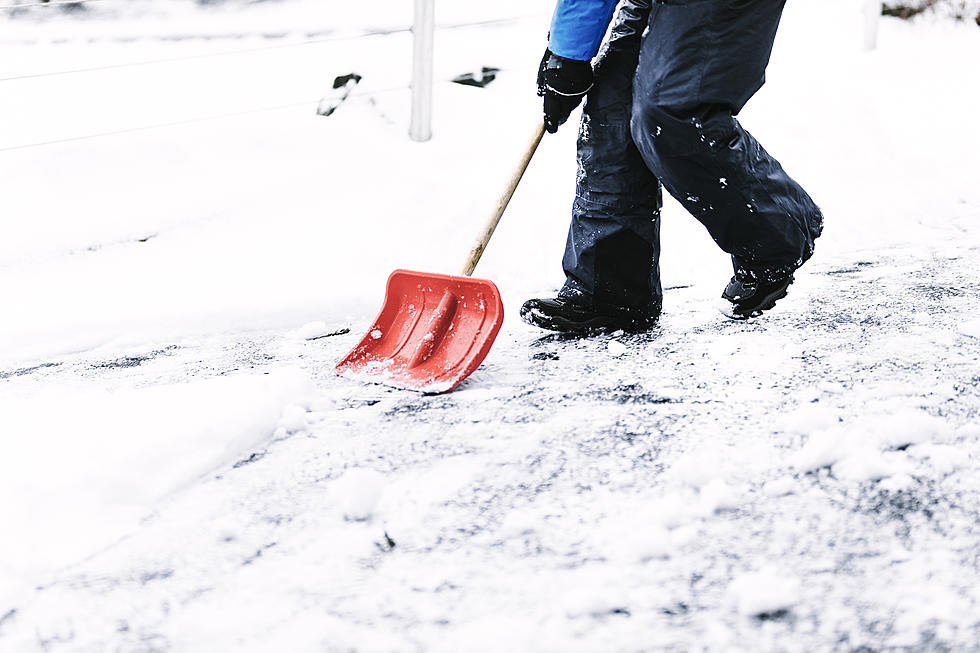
point(897, 483)
point(357, 493)
point(518, 523)
point(808, 418)
point(970, 328)
point(779, 487)
point(869, 464)
point(822, 449)
point(943, 458)
point(629, 540)
point(670, 511)
point(861, 451)
point(717, 495)
point(616, 348)
point(311, 330)
point(697, 469)
point(908, 427)
point(969, 432)
point(765, 592)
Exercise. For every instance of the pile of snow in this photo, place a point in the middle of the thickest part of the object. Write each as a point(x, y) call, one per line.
point(82, 466)
point(869, 448)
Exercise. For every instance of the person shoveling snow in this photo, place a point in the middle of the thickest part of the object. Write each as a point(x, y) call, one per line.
point(660, 112)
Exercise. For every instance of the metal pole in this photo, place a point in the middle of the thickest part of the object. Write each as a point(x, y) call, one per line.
point(872, 14)
point(422, 32)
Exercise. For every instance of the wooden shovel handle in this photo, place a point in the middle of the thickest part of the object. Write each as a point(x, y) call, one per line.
point(481, 244)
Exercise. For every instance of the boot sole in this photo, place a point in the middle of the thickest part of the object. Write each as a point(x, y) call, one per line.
point(768, 302)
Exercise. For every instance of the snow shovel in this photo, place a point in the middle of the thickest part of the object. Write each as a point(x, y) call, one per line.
point(434, 330)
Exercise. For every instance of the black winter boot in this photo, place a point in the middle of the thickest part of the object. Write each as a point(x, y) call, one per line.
point(566, 316)
point(750, 296)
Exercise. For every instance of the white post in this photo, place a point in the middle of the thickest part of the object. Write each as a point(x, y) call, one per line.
point(872, 14)
point(422, 33)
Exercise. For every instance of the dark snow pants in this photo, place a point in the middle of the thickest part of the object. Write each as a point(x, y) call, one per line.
point(662, 111)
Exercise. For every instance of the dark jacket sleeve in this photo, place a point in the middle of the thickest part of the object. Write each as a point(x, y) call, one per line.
point(578, 26)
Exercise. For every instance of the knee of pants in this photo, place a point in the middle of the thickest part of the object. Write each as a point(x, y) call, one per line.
point(661, 132)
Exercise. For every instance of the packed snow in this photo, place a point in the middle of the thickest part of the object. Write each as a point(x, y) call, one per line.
point(187, 249)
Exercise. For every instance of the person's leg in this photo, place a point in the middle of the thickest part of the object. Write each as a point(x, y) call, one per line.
point(700, 62)
point(611, 259)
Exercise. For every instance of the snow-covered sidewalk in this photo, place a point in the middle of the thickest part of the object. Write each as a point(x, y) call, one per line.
point(817, 468)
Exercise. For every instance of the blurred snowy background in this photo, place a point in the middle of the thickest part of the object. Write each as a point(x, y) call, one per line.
point(183, 471)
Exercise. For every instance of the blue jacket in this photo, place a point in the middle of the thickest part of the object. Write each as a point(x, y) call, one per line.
point(578, 26)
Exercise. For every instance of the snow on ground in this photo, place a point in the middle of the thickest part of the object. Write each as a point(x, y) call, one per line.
point(183, 471)
point(107, 455)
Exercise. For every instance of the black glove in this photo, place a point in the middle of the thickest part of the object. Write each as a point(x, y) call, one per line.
point(562, 83)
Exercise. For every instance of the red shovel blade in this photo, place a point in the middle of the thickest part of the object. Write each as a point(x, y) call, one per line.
point(433, 331)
